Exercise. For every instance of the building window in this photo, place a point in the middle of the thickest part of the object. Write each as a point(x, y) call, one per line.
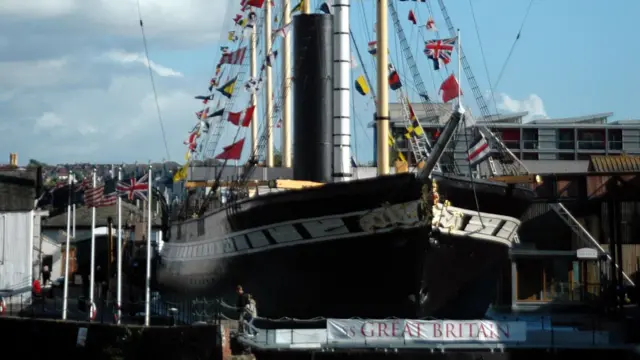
point(566, 139)
point(615, 139)
point(529, 156)
point(530, 139)
point(566, 156)
point(510, 137)
point(591, 139)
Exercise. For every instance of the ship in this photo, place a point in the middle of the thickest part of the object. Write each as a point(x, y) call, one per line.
point(418, 244)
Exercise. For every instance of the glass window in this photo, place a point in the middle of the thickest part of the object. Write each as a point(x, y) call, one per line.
point(530, 139)
point(615, 139)
point(566, 139)
point(591, 139)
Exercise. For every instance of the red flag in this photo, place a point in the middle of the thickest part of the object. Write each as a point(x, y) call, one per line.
point(431, 25)
point(394, 80)
point(450, 88)
point(234, 118)
point(248, 115)
point(255, 3)
point(231, 152)
point(412, 17)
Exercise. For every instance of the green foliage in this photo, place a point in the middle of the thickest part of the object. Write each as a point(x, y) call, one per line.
point(35, 163)
point(277, 158)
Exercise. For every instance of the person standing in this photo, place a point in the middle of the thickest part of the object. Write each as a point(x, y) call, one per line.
point(241, 305)
point(46, 275)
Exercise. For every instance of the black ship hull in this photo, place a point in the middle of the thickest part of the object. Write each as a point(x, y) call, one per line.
point(343, 250)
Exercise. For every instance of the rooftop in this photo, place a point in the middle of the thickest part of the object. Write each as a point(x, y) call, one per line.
point(17, 190)
point(443, 111)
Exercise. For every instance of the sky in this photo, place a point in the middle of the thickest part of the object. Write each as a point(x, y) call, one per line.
point(75, 84)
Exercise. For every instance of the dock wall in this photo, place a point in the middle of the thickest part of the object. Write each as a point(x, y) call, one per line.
point(38, 338)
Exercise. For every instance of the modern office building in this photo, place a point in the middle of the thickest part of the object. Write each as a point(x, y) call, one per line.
point(568, 139)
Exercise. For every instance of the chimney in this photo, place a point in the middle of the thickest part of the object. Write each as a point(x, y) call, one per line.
point(13, 159)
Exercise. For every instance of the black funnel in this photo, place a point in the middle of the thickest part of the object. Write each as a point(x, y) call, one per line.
point(313, 97)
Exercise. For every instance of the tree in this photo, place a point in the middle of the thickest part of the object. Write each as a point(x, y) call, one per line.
point(277, 158)
point(35, 163)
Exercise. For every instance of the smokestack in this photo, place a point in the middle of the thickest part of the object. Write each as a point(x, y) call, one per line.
point(313, 97)
point(13, 159)
point(341, 92)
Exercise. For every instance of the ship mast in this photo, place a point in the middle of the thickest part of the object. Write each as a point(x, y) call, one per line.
point(286, 96)
point(268, 102)
point(341, 92)
point(382, 106)
point(254, 99)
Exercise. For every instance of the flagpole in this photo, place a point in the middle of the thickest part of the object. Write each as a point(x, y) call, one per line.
point(147, 298)
point(459, 73)
point(268, 103)
point(93, 248)
point(254, 97)
point(119, 269)
point(286, 88)
point(382, 107)
point(73, 210)
point(65, 296)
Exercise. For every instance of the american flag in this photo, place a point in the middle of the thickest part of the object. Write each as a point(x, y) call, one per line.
point(84, 185)
point(95, 197)
point(135, 188)
point(439, 50)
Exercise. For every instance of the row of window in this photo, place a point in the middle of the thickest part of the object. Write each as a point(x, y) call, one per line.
point(587, 139)
point(201, 250)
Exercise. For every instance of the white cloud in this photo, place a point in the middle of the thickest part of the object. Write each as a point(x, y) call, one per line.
point(533, 105)
point(127, 58)
point(76, 86)
point(37, 8)
point(48, 121)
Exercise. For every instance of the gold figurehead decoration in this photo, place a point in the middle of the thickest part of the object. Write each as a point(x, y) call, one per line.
point(435, 212)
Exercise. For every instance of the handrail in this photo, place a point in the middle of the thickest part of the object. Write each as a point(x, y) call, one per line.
point(559, 207)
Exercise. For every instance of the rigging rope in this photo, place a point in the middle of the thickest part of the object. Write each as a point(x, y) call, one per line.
point(153, 83)
point(513, 46)
point(484, 59)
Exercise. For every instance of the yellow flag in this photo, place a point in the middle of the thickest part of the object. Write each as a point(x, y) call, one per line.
point(392, 143)
point(298, 7)
point(187, 156)
point(231, 36)
point(361, 86)
point(181, 174)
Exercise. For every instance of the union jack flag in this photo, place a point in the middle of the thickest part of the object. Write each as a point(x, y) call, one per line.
point(135, 188)
point(439, 50)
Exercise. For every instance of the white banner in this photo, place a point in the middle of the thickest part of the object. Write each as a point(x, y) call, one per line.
point(398, 330)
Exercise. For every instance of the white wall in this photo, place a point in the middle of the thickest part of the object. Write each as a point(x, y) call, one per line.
point(50, 247)
point(16, 254)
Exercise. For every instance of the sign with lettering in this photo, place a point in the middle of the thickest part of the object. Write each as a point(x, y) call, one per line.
point(398, 330)
point(587, 254)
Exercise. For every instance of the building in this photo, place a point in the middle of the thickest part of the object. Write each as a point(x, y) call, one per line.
point(19, 234)
point(569, 139)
